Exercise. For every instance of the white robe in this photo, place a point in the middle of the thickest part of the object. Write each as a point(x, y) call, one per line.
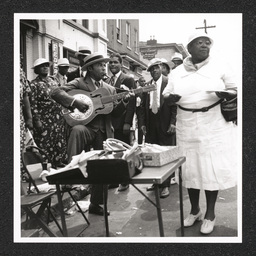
point(207, 141)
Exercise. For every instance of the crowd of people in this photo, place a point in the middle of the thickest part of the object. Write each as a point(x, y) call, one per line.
point(173, 114)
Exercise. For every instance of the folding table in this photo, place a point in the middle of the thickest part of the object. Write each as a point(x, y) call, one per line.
point(154, 175)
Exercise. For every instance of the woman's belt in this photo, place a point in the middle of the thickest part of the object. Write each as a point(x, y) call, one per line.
point(204, 109)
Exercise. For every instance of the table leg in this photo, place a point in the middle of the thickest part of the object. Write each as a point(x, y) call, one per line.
point(159, 211)
point(181, 202)
point(61, 208)
point(105, 198)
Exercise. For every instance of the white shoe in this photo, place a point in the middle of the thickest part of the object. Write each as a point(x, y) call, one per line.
point(190, 220)
point(207, 226)
point(173, 181)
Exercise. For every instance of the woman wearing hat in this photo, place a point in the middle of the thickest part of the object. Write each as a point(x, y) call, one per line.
point(49, 133)
point(205, 138)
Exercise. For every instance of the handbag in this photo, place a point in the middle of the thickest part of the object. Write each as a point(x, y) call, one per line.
point(229, 109)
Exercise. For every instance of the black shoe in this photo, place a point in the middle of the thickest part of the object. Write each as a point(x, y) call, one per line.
point(151, 188)
point(96, 209)
point(113, 186)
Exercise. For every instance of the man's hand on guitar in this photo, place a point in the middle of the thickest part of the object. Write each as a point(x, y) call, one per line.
point(80, 105)
point(128, 96)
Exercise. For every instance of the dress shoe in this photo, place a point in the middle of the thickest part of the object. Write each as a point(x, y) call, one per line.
point(151, 188)
point(190, 220)
point(207, 226)
point(173, 181)
point(96, 209)
point(165, 192)
point(113, 186)
point(123, 187)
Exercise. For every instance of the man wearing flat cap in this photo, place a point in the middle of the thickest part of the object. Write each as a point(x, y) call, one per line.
point(100, 127)
point(158, 118)
point(82, 52)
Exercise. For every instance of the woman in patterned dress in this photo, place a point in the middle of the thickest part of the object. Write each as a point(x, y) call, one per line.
point(49, 129)
point(25, 113)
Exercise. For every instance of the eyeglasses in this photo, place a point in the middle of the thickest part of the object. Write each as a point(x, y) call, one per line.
point(202, 41)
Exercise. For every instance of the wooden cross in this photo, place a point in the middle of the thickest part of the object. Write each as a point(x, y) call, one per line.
point(205, 27)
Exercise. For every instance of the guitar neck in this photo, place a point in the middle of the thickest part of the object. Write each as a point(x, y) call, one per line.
point(119, 96)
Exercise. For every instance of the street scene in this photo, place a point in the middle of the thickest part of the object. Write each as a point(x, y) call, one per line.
point(128, 132)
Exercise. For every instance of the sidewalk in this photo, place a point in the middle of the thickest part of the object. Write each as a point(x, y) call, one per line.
point(131, 215)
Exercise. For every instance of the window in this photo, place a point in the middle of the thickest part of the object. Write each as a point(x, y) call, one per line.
point(85, 23)
point(128, 34)
point(118, 30)
point(104, 25)
point(136, 40)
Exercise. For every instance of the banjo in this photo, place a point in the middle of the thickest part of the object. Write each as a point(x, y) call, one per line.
point(99, 102)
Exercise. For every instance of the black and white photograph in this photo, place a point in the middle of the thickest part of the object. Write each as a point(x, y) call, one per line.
point(127, 128)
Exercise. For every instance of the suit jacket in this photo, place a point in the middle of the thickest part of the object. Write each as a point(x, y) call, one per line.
point(167, 113)
point(73, 74)
point(59, 78)
point(127, 116)
point(85, 83)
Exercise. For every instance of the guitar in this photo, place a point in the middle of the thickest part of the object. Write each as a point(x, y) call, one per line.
point(99, 102)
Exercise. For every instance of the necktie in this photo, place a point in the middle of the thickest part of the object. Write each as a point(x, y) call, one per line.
point(112, 80)
point(97, 83)
point(154, 102)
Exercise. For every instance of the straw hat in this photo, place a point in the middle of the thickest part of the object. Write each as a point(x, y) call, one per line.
point(39, 62)
point(177, 56)
point(63, 62)
point(170, 64)
point(83, 50)
point(153, 62)
point(94, 58)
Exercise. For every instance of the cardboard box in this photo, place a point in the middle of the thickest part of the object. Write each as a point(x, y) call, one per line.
point(155, 155)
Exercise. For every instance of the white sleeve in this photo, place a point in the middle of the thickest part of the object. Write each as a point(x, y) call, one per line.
point(169, 87)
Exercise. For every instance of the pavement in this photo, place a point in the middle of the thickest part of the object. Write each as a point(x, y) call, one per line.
point(132, 215)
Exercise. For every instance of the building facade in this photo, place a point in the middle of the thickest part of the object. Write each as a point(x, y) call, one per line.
point(151, 49)
point(54, 39)
point(123, 36)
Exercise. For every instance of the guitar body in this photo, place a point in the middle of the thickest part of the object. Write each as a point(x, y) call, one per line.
point(100, 102)
point(93, 100)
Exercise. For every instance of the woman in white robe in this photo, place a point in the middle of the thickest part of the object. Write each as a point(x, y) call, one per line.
point(205, 138)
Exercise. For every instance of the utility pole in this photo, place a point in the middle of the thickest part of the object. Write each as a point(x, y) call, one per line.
point(205, 27)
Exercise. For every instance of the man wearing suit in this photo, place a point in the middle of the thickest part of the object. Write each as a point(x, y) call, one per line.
point(100, 128)
point(123, 123)
point(83, 51)
point(158, 118)
point(63, 66)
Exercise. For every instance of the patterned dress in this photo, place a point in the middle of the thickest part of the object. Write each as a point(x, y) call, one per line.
point(43, 107)
point(24, 88)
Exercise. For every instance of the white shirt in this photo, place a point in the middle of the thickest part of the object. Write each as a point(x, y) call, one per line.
point(158, 84)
